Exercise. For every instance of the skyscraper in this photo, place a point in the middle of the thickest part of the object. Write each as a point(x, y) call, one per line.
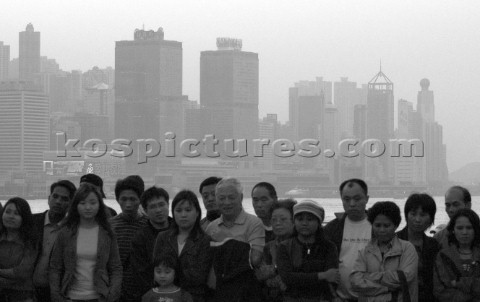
point(148, 77)
point(229, 81)
point(4, 60)
point(432, 135)
point(346, 96)
point(306, 88)
point(29, 53)
point(25, 131)
point(380, 122)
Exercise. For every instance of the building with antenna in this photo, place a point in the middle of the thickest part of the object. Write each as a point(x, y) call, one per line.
point(380, 126)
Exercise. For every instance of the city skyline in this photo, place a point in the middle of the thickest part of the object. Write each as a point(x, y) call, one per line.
point(436, 48)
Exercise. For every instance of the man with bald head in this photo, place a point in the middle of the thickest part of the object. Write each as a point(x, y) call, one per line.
point(456, 198)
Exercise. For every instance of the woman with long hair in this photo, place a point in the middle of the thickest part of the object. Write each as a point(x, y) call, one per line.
point(457, 269)
point(386, 269)
point(307, 262)
point(187, 241)
point(17, 251)
point(85, 263)
point(420, 212)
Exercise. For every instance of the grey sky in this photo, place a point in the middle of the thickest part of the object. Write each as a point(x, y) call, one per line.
point(296, 40)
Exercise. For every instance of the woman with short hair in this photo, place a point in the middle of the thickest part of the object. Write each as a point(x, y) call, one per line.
point(420, 212)
point(386, 269)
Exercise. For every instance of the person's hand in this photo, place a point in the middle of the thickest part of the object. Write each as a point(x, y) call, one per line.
point(265, 272)
point(331, 275)
point(465, 284)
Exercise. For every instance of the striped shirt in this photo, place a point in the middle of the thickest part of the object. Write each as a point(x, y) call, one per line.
point(125, 229)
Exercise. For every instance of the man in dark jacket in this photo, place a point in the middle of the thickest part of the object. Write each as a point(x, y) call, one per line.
point(46, 227)
point(351, 232)
point(155, 203)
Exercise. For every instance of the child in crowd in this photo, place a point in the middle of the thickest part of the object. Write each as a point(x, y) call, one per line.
point(164, 275)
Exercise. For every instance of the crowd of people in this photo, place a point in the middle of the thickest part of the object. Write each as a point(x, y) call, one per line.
point(80, 250)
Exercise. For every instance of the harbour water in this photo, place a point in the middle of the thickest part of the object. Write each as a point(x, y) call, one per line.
point(331, 206)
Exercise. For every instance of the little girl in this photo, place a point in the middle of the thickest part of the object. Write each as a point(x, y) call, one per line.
point(164, 275)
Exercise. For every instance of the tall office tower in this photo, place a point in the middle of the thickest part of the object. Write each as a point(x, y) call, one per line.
point(4, 60)
point(306, 88)
point(380, 121)
point(148, 78)
point(425, 104)
point(432, 135)
point(29, 53)
point(25, 131)
point(346, 96)
point(331, 138)
point(229, 81)
point(408, 169)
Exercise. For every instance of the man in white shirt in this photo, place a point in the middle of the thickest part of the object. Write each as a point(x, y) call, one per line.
point(350, 233)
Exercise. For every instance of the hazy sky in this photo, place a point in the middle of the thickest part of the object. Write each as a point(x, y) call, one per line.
point(296, 40)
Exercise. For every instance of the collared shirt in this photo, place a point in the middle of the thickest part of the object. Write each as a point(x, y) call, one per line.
point(245, 228)
point(50, 233)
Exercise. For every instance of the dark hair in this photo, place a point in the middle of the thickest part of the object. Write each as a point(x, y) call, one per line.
point(94, 180)
point(193, 200)
point(421, 201)
point(67, 185)
point(474, 220)
point(26, 229)
point(73, 217)
point(170, 261)
point(386, 208)
point(270, 188)
point(151, 193)
point(286, 204)
point(132, 182)
point(352, 181)
point(213, 180)
point(467, 198)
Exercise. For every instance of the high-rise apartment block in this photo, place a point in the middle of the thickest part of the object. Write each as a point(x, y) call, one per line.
point(25, 131)
point(29, 53)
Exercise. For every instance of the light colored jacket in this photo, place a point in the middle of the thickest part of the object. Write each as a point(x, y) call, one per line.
point(374, 278)
point(63, 262)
